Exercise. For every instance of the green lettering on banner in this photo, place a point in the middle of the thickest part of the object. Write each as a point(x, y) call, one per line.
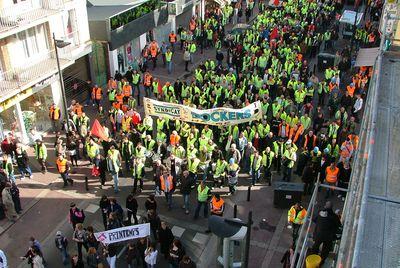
point(247, 114)
point(218, 116)
point(215, 117)
point(223, 116)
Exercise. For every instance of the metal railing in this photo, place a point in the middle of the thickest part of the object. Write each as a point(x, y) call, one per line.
point(27, 11)
point(14, 80)
point(356, 203)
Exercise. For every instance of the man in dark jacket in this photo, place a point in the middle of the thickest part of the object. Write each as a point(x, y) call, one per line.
point(22, 162)
point(219, 57)
point(186, 188)
point(327, 226)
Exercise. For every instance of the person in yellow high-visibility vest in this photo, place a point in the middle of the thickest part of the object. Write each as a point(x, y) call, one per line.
point(168, 59)
point(296, 217)
point(203, 195)
point(54, 115)
point(255, 167)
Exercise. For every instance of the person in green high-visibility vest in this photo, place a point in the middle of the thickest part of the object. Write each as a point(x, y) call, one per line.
point(192, 50)
point(8, 168)
point(41, 154)
point(255, 167)
point(168, 59)
point(203, 195)
point(138, 174)
point(267, 158)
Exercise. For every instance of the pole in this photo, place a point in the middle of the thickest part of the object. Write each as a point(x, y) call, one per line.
point(248, 193)
point(61, 84)
point(248, 234)
point(354, 30)
point(235, 211)
point(86, 183)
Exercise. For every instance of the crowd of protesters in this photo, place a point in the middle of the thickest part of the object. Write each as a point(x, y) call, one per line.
point(309, 124)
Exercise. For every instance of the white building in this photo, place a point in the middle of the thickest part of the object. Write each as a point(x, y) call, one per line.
point(29, 80)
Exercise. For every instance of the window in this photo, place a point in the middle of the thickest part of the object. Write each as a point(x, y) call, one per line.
point(33, 42)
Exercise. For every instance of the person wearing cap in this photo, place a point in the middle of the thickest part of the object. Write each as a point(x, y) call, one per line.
point(41, 154)
point(326, 228)
point(289, 158)
point(76, 215)
point(61, 243)
point(296, 217)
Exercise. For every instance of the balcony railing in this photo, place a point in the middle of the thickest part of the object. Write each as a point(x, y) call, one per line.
point(26, 12)
point(18, 79)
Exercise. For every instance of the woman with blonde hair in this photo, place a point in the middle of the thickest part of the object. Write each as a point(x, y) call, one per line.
point(79, 237)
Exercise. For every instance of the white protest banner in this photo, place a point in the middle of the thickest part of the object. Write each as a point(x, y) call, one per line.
point(123, 233)
point(216, 116)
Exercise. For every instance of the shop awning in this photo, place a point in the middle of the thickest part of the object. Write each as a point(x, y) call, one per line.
point(367, 56)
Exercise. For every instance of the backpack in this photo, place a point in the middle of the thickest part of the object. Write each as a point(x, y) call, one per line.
point(78, 215)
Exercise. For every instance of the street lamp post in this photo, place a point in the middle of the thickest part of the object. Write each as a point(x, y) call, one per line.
point(60, 44)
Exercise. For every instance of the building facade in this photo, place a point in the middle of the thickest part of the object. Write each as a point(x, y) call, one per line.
point(124, 27)
point(29, 80)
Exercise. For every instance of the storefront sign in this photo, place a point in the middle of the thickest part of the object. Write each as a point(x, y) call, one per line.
point(123, 233)
point(26, 93)
point(15, 99)
point(217, 116)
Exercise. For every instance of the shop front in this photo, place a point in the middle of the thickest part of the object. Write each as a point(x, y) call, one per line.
point(28, 109)
point(127, 29)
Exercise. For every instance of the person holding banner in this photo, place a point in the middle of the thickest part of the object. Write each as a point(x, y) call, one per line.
point(151, 254)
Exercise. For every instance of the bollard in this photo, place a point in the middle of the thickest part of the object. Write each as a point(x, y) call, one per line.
point(86, 183)
point(248, 193)
point(235, 211)
point(248, 234)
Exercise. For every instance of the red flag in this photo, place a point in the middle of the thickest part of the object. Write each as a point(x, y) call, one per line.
point(98, 131)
